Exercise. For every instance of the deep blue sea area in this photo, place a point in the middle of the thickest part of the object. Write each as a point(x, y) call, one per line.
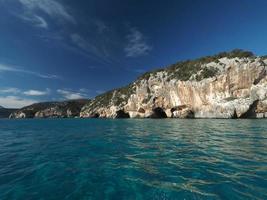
point(133, 159)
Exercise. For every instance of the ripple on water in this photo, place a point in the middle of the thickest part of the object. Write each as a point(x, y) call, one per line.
point(133, 159)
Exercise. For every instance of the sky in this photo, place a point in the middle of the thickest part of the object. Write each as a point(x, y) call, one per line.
point(54, 50)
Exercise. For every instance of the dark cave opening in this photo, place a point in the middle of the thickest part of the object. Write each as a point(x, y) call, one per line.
point(158, 113)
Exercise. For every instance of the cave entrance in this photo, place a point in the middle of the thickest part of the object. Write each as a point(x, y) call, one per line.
point(95, 115)
point(251, 113)
point(158, 113)
point(121, 114)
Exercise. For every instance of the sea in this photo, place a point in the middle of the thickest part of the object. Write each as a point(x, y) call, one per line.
point(133, 159)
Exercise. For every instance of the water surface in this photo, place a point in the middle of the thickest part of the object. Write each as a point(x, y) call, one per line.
point(133, 159)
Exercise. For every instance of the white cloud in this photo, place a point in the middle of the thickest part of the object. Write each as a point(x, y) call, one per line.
point(13, 97)
point(36, 92)
point(47, 76)
point(50, 7)
point(8, 68)
point(15, 102)
point(10, 90)
point(71, 95)
point(137, 44)
point(31, 92)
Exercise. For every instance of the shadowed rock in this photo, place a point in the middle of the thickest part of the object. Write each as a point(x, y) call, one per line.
point(251, 113)
point(95, 115)
point(141, 110)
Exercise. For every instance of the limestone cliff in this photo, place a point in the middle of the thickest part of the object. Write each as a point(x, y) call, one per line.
point(227, 85)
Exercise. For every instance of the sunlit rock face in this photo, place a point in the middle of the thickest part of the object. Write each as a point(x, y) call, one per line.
point(214, 87)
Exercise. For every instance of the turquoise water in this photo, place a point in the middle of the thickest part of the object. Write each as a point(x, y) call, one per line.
point(133, 159)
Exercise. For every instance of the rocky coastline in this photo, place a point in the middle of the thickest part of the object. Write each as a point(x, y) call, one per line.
point(227, 85)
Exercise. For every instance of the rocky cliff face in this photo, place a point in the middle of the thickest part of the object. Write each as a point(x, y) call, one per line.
point(51, 110)
point(227, 85)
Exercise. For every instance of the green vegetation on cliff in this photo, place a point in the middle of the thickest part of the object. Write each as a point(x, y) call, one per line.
point(117, 96)
point(185, 69)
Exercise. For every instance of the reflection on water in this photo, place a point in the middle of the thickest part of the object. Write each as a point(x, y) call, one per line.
point(133, 159)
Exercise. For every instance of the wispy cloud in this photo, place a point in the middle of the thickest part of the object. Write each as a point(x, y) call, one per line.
point(100, 26)
point(84, 44)
point(92, 48)
point(36, 92)
point(15, 102)
point(8, 68)
point(35, 20)
point(94, 44)
point(71, 94)
point(137, 44)
point(52, 8)
point(100, 91)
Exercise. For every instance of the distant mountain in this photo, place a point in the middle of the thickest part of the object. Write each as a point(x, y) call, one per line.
point(5, 112)
point(63, 109)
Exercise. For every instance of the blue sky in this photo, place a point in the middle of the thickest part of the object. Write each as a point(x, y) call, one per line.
point(54, 50)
